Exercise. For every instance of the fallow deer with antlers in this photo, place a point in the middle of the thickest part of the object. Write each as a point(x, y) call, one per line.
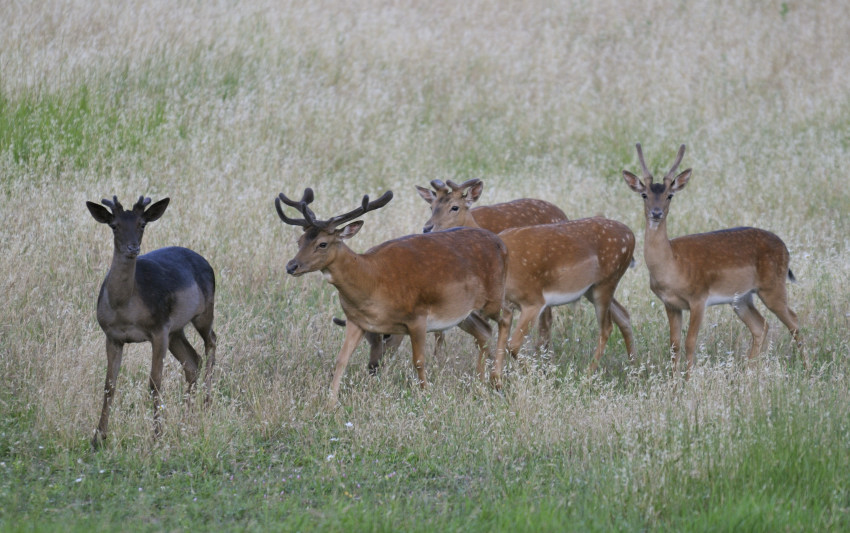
point(405, 286)
point(720, 267)
point(151, 298)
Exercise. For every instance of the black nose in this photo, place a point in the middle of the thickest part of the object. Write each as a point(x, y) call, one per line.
point(291, 267)
point(656, 213)
point(427, 229)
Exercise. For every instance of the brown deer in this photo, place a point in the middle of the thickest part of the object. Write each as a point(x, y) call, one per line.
point(556, 264)
point(721, 267)
point(451, 207)
point(405, 286)
point(151, 298)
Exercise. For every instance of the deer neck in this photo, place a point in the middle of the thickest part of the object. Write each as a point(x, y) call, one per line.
point(470, 221)
point(121, 280)
point(657, 250)
point(352, 274)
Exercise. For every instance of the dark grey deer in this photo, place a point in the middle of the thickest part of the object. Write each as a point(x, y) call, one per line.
point(151, 298)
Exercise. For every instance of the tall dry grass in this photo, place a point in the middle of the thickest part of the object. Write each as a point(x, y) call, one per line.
point(221, 106)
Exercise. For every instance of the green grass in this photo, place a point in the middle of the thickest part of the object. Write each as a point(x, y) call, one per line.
point(221, 108)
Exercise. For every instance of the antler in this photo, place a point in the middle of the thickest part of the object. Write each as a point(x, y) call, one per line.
point(141, 204)
point(113, 204)
point(669, 175)
point(647, 175)
point(310, 219)
point(365, 207)
point(301, 205)
point(463, 186)
point(439, 186)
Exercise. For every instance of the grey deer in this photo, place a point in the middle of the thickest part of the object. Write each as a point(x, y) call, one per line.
point(151, 298)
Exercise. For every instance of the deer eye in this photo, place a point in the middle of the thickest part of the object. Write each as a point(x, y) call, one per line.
point(669, 196)
point(643, 195)
point(455, 208)
point(323, 245)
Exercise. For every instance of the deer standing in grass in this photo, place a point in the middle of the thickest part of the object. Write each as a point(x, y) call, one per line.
point(405, 286)
point(451, 206)
point(556, 264)
point(557, 261)
point(721, 267)
point(151, 298)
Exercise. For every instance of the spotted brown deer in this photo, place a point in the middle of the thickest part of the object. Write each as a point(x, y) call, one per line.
point(720, 267)
point(151, 298)
point(451, 207)
point(405, 286)
point(556, 264)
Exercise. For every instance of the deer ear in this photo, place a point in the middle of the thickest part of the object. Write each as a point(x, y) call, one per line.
point(156, 210)
point(350, 230)
point(426, 194)
point(680, 181)
point(100, 213)
point(634, 182)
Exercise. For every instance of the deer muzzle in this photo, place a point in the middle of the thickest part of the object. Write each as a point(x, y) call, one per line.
point(292, 267)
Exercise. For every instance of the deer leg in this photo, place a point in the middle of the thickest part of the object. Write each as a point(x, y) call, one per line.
point(114, 352)
point(777, 302)
point(159, 346)
point(601, 297)
point(527, 314)
point(674, 317)
point(756, 323)
point(439, 343)
point(203, 324)
point(376, 351)
point(503, 317)
point(694, 322)
point(479, 329)
point(544, 330)
point(417, 341)
point(353, 336)
point(183, 351)
point(621, 317)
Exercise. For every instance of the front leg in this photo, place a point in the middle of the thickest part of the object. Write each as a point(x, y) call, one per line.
point(114, 352)
point(674, 317)
point(159, 345)
point(697, 312)
point(353, 336)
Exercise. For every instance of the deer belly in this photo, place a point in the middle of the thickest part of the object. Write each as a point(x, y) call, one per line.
point(553, 298)
point(435, 323)
point(719, 299)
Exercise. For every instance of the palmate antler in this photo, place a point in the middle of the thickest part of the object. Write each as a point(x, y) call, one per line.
point(310, 219)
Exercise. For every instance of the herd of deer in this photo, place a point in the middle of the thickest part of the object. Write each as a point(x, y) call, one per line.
point(489, 260)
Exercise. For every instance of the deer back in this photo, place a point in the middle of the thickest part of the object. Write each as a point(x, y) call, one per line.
point(565, 258)
point(518, 213)
point(442, 276)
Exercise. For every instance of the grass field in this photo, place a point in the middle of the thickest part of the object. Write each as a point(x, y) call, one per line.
point(221, 106)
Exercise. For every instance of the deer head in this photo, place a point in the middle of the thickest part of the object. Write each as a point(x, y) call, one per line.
point(657, 196)
point(321, 241)
point(127, 226)
point(450, 203)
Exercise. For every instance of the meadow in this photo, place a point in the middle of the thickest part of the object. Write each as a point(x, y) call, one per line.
point(222, 105)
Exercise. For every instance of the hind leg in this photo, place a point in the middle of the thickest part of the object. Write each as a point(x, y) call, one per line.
point(601, 298)
point(183, 351)
point(203, 323)
point(747, 312)
point(777, 301)
point(624, 323)
point(544, 330)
